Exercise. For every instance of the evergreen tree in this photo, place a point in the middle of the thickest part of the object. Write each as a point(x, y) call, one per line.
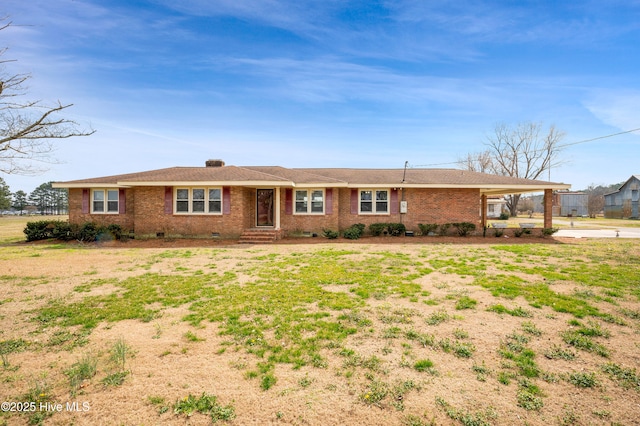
point(49, 200)
point(5, 196)
point(20, 201)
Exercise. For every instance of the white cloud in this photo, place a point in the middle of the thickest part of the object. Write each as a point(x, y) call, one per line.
point(616, 108)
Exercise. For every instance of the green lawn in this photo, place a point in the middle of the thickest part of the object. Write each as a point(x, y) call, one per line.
point(392, 334)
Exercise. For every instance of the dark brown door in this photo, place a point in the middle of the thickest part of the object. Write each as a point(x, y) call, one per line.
point(265, 200)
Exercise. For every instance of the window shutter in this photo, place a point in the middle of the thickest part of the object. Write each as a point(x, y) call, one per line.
point(168, 200)
point(354, 201)
point(328, 207)
point(122, 208)
point(85, 201)
point(288, 201)
point(394, 208)
point(226, 200)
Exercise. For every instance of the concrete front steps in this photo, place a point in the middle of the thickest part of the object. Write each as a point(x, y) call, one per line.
point(259, 236)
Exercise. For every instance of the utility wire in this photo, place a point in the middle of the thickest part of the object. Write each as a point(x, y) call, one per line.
point(559, 146)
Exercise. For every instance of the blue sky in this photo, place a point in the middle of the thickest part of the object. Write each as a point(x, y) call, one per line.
point(329, 83)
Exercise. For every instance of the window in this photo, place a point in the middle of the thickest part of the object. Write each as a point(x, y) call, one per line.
point(309, 201)
point(105, 201)
point(198, 201)
point(492, 208)
point(374, 201)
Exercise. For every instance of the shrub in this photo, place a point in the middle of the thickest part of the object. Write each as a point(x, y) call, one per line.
point(115, 230)
point(65, 231)
point(549, 231)
point(40, 230)
point(354, 231)
point(444, 229)
point(377, 229)
point(427, 228)
point(504, 216)
point(518, 232)
point(464, 228)
point(88, 232)
point(328, 233)
point(397, 229)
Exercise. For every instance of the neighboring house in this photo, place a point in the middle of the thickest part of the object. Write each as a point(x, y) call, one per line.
point(623, 203)
point(495, 207)
point(230, 200)
point(570, 204)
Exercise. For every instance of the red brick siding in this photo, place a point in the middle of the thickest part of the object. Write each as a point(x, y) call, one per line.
point(126, 221)
point(423, 206)
point(150, 216)
point(442, 206)
point(145, 213)
point(292, 223)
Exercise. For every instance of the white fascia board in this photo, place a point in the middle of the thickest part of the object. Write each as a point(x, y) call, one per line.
point(484, 188)
point(321, 185)
point(521, 189)
point(213, 183)
point(88, 185)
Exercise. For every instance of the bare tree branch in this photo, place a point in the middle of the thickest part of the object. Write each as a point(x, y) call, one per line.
point(27, 127)
point(524, 151)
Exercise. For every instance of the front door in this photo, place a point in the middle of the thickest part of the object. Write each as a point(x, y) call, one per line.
point(264, 201)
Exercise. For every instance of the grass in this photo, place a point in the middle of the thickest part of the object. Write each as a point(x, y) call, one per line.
point(466, 417)
point(85, 368)
point(423, 365)
point(628, 378)
point(356, 314)
point(583, 379)
point(204, 404)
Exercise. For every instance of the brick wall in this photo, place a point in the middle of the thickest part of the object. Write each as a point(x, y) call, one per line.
point(145, 212)
point(126, 221)
point(293, 223)
point(423, 206)
point(442, 206)
point(151, 219)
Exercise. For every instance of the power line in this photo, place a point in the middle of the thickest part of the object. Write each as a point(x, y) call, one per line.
point(599, 137)
point(559, 146)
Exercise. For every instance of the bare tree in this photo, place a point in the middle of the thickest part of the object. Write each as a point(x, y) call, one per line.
point(595, 203)
point(27, 127)
point(478, 162)
point(524, 151)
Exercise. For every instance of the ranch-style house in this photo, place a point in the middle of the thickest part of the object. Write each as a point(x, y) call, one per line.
point(227, 201)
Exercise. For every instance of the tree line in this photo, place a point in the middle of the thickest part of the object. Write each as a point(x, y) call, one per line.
point(44, 200)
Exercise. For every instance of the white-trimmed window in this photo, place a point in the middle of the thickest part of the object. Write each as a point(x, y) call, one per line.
point(374, 201)
point(309, 201)
point(198, 201)
point(105, 201)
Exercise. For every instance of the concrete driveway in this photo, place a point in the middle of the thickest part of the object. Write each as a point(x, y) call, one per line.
point(599, 233)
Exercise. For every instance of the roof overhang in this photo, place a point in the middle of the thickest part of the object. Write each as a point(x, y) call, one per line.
point(484, 188)
point(88, 185)
point(210, 183)
point(520, 189)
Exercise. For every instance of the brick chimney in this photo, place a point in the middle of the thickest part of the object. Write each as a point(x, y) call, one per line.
point(214, 163)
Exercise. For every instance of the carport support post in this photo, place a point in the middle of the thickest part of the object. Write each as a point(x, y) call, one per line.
point(548, 208)
point(484, 210)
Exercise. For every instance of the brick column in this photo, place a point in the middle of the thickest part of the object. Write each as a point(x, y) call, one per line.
point(548, 208)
